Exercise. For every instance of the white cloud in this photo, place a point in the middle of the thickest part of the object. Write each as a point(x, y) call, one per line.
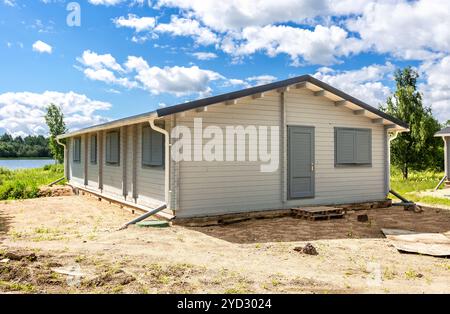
point(262, 79)
point(436, 89)
point(407, 29)
point(319, 46)
point(105, 2)
point(204, 55)
point(235, 14)
point(23, 113)
point(10, 3)
point(188, 27)
point(41, 47)
point(175, 80)
point(365, 83)
point(137, 73)
point(139, 24)
point(93, 60)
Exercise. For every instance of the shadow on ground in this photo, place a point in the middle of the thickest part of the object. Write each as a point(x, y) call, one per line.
point(289, 229)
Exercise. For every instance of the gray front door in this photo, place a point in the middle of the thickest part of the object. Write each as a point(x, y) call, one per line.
point(300, 161)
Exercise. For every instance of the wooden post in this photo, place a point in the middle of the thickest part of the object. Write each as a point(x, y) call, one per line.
point(100, 159)
point(134, 166)
point(283, 145)
point(124, 135)
point(85, 155)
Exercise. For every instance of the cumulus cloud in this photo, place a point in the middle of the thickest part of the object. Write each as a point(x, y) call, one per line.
point(22, 113)
point(41, 47)
point(407, 29)
point(365, 83)
point(139, 24)
point(188, 27)
point(137, 73)
point(105, 2)
point(204, 55)
point(436, 89)
point(318, 46)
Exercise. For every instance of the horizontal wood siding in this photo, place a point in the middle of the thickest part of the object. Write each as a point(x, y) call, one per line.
point(208, 188)
point(216, 187)
point(343, 183)
point(150, 180)
point(112, 174)
point(92, 168)
point(76, 168)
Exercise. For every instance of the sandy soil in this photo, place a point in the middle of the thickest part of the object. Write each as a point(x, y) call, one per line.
point(253, 256)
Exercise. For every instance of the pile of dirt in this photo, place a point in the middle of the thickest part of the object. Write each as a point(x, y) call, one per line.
point(54, 191)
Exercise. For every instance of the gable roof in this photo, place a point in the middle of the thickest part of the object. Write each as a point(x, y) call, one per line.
point(303, 79)
point(443, 132)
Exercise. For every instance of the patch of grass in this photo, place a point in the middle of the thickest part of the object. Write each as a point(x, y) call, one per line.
point(25, 183)
point(14, 286)
point(412, 274)
point(418, 181)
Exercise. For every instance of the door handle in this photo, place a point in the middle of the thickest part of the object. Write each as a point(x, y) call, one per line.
point(312, 167)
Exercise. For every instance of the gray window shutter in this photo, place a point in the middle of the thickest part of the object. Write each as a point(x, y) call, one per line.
point(152, 147)
point(363, 139)
point(113, 147)
point(157, 148)
point(77, 149)
point(146, 146)
point(345, 146)
point(93, 149)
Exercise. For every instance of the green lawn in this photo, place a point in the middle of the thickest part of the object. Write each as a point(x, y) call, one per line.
point(417, 182)
point(25, 183)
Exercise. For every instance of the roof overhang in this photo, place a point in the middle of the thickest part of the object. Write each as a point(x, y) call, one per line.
point(319, 88)
point(113, 124)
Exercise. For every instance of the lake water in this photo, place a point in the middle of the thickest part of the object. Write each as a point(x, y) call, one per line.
point(25, 163)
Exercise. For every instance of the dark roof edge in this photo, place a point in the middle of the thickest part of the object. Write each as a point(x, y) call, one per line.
point(444, 131)
point(271, 86)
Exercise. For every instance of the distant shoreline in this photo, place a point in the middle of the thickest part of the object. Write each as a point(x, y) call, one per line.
point(27, 158)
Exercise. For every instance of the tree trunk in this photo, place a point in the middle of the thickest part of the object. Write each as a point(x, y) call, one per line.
point(405, 171)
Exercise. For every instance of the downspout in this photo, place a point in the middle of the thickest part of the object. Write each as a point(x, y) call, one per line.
point(391, 138)
point(65, 157)
point(166, 160)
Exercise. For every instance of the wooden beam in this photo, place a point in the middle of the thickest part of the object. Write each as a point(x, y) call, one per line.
point(202, 109)
point(231, 102)
point(283, 89)
point(359, 112)
point(258, 95)
point(378, 121)
point(340, 103)
point(319, 93)
point(300, 85)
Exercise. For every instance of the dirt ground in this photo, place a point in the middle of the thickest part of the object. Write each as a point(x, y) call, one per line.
point(42, 236)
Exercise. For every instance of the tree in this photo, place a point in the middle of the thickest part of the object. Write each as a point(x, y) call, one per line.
point(417, 149)
point(55, 122)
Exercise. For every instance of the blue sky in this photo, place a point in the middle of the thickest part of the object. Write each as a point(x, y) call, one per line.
point(129, 57)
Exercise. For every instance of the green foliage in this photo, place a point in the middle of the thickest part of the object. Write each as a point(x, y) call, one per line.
point(30, 146)
point(25, 183)
point(417, 182)
point(55, 122)
point(417, 149)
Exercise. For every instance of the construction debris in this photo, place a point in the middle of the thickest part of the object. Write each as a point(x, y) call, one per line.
point(363, 218)
point(434, 244)
point(307, 249)
point(319, 212)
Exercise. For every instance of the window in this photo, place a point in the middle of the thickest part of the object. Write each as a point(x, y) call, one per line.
point(113, 148)
point(77, 149)
point(152, 147)
point(352, 146)
point(93, 149)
